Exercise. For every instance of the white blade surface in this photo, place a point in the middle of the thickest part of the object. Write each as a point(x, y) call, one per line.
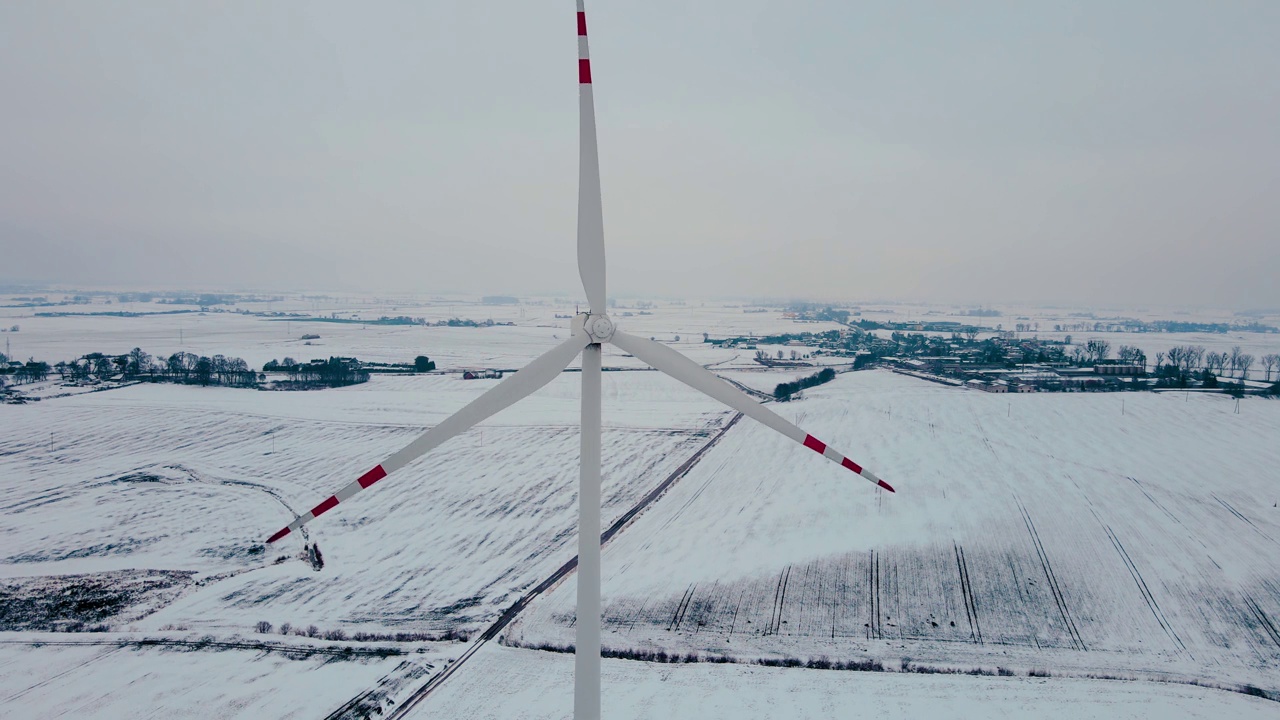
point(590, 212)
point(506, 393)
point(699, 378)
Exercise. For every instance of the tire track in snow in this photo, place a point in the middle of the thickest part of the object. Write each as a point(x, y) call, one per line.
point(874, 629)
point(681, 608)
point(966, 591)
point(62, 674)
point(779, 599)
point(1235, 512)
point(1076, 641)
point(1141, 582)
point(1176, 519)
point(1268, 627)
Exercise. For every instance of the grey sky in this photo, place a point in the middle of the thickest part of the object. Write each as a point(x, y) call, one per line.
point(1108, 152)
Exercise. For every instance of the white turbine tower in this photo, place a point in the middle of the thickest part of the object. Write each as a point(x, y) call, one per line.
point(590, 331)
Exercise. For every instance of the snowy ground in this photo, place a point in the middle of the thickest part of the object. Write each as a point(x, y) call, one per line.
point(108, 680)
point(512, 683)
point(1042, 531)
point(187, 478)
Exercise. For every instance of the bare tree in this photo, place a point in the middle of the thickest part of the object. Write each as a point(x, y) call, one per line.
point(1131, 355)
point(1159, 361)
point(1098, 349)
point(1186, 357)
point(1246, 360)
point(1269, 361)
point(1215, 360)
point(1235, 358)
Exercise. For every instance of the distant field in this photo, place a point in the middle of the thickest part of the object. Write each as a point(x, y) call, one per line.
point(259, 339)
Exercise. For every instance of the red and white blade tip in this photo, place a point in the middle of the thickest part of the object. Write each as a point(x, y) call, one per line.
point(330, 502)
point(822, 449)
point(584, 58)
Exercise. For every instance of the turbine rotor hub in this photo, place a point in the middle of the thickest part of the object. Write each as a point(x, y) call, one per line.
point(599, 327)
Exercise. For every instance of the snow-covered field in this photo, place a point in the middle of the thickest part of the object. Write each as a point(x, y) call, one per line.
point(186, 478)
point(1064, 533)
point(1061, 532)
point(513, 683)
point(109, 680)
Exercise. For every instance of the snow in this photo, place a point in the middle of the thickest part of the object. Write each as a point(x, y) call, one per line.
point(130, 681)
point(513, 683)
point(1056, 531)
point(186, 478)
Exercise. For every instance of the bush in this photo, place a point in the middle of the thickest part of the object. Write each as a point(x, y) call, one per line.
point(1254, 691)
point(263, 627)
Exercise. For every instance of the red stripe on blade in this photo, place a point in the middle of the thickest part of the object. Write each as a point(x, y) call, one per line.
point(886, 486)
point(814, 444)
point(279, 534)
point(582, 23)
point(584, 72)
point(852, 465)
point(325, 506)
point(371, 477)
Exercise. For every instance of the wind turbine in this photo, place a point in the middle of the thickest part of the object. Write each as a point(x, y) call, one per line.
point(590, 331)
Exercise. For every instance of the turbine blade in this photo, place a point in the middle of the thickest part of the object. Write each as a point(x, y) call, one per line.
point(699, 378)
point(506, 393)
point(590, 212)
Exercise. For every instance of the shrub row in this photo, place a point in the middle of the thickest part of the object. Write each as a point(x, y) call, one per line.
point(339, 635)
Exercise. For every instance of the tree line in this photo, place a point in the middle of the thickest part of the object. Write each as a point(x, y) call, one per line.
point(137, 364)
point(334, 372)
point(1184, 361)
point(784, 391)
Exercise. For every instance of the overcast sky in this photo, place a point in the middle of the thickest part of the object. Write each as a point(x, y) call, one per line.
point(1092, 153)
